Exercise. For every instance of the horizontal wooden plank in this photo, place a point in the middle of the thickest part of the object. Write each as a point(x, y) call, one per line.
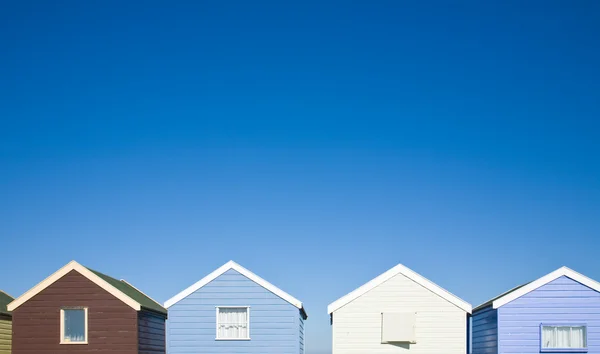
point(561, 301)
point(151, 333)
point(274, 323)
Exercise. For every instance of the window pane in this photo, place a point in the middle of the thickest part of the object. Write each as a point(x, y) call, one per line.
point(564, 337)
point(74, 326)
point(548, 337)
point(233, 323)
point(578, 337)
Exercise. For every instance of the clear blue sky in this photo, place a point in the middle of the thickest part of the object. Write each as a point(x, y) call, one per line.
point(317, 144)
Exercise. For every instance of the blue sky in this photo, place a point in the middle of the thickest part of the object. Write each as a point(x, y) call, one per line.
point(316, 143)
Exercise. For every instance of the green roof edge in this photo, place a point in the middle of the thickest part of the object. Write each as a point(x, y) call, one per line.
point(5, 299)
point(131, 291)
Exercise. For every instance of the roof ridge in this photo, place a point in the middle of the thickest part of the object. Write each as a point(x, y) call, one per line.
point(7, 294)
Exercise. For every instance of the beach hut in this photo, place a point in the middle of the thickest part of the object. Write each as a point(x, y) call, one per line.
point(399, 311)
point(233, 310)
point(557, 313)
point(80, 310)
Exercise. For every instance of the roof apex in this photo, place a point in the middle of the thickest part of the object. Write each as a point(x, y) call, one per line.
point(245, 272)
point(519, 291)
point(407, 272)
point(73, 266)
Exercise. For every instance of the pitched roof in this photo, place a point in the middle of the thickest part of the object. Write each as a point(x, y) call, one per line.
point(524, 289)
point(491, 301)
point(119, 289)
point(399, 269)
point(144, 300)
point(5, 299)
point(245, 272)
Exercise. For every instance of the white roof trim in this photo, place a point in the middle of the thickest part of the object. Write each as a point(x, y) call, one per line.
point(248, 274)
point(563, 271)
point(400, 269)
point(81, 270)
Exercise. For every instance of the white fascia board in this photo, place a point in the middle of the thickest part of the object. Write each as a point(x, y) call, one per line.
point(81, 270)
point(563, 271)
point(245, 272)
point(400, 269)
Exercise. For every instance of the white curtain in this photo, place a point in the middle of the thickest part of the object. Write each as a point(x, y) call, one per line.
point(578, 337)
point(74, 325)
point(233, 323)
point(563, 337)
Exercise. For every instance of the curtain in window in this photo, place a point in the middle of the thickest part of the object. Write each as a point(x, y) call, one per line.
point(578, 337)
point(233, 323)
point(563, 337)
point(74, 326)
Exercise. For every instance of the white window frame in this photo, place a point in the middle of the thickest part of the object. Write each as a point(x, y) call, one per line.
point(62, 324)
point(217, 321)
point(563, 350)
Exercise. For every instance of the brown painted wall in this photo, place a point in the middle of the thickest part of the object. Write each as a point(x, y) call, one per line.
point(151, 333)
point(112, 325)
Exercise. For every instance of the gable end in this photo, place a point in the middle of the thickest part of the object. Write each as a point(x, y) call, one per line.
point(526, 289)
point(410, 274)
point(231, 265)
point(73, 266)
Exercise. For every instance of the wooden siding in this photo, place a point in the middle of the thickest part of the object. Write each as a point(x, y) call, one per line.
point(301, 320)
point(441, 327)
point(151, 333)
point(112, 325)
point(485, 331)
point(5, 334)
point(274, 324)
point(560, 301)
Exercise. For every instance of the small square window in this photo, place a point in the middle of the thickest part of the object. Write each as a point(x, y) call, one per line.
point(233, 323)
point(398, 327)
point(564, 338)
point(73, 326)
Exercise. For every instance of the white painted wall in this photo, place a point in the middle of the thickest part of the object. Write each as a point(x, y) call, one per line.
point(441, 327)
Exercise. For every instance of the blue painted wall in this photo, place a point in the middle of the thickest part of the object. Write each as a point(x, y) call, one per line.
point(484, 334)
point(301, 322)
point(275, 324)
point(561, 301)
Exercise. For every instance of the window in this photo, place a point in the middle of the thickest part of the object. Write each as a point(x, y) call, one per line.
point(73, 326)
point(233, 323)
point(573, 338)
point(398, 327)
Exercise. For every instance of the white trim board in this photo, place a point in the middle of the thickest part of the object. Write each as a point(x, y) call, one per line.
point(410, 274)
point(563, 271)
point(245, 272)
point(81, 270)
point(62, 326)
point(218, 309)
